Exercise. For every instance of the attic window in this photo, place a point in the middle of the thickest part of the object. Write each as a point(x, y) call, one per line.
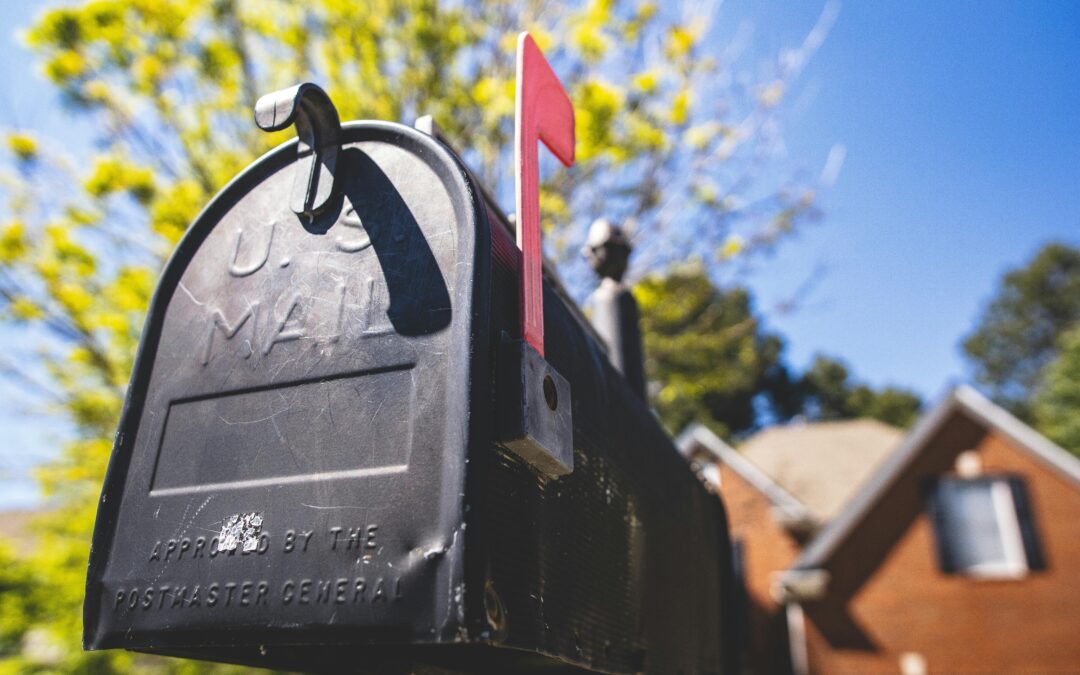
point(984, 527)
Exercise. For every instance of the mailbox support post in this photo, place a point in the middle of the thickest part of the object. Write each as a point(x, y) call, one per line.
point(614, 311)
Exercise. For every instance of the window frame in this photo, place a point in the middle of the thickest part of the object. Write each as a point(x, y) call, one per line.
point(1015, 522)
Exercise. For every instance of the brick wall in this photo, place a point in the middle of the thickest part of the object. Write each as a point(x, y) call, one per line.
point(767, 549)
point(889, 596)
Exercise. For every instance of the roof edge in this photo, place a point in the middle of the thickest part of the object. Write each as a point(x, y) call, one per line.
point(963, 398)
point(822, 546)
point(699, 434)
point(993, 415)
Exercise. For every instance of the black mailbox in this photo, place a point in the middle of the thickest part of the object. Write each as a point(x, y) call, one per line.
point(312, 472)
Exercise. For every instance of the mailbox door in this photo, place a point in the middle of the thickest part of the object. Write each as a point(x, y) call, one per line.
point(290, 461)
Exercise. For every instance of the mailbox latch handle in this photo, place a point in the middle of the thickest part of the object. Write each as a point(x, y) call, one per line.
point(319, 129)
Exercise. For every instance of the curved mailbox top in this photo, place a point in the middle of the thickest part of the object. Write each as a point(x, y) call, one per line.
point(291, 451)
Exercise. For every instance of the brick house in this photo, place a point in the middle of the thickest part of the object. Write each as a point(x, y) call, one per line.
point(955, 550)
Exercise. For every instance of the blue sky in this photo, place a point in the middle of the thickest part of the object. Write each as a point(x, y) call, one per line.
point(962, 135)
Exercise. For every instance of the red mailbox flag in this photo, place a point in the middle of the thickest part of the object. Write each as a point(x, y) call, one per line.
point(543, 112)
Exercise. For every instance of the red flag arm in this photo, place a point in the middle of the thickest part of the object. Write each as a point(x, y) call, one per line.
point(543, 112)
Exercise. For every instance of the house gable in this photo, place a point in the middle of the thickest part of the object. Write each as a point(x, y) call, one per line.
point(888, 595)
point(962, 418)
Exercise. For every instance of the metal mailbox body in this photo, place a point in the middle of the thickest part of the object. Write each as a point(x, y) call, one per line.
point(306, 473)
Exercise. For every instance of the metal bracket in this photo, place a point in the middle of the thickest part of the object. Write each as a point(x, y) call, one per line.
point(535, 419)
point(319, 129)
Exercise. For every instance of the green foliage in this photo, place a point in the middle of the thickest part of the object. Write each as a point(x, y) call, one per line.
point(170, 84)
point(1057, 403)
point(22, 146)
point(18, 601)
point(707, 355)
point(891, 405)
point(827, 387)
point(830, 394)
point(1018, 333)
point(36, 600)
point(710, 360)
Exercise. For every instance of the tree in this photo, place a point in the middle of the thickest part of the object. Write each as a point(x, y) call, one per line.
point(825, 388)
point(830, 394)
point(1018, 333)
point(1057, 403)
point(707, 357)
point(170, 84)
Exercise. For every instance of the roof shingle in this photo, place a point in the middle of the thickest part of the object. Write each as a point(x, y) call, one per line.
point(822, 464)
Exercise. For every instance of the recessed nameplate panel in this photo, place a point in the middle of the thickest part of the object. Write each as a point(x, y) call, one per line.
point(340, 427)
